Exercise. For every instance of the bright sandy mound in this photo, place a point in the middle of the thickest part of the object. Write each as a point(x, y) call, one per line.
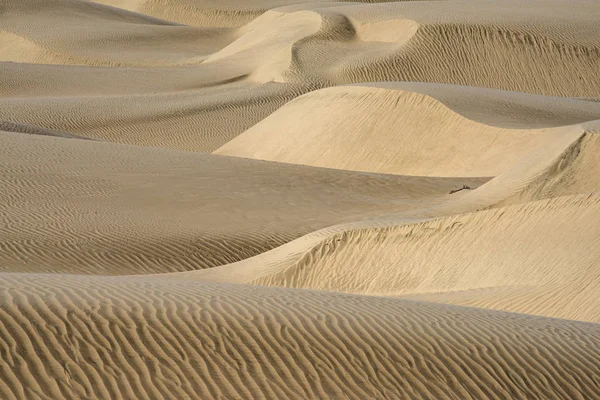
point(437, 161)
point(535, 251)
point(412, 129)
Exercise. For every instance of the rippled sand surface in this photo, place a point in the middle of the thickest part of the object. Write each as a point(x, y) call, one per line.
point(284, 199)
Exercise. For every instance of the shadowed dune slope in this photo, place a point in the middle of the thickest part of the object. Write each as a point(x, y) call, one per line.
point(6, 126)
point(90, 207)
point(391, 129)
point(196, 120)
point(144, 338)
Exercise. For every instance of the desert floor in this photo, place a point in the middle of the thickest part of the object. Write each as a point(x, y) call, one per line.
point(239, 199)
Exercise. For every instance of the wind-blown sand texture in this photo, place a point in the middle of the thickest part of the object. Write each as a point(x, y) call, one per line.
point(284, 199)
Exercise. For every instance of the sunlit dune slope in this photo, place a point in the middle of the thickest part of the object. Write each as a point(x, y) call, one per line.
point(529, 257)
point(36, 31)
point(209, 84)
point(238, 199)
point(414, 129)
point(576, 171)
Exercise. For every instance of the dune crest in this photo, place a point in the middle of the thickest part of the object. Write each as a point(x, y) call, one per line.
point(19, 49)
point(473, 253)
point(550, 52)
point(416, 134)
point(110, 199)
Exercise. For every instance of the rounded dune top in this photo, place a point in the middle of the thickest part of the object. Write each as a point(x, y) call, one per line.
point(113, 209)
point(390, 31)
point(410, 129)
point(271, 32)
point(47, 33)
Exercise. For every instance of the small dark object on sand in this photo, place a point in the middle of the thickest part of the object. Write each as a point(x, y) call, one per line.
point(465, 187)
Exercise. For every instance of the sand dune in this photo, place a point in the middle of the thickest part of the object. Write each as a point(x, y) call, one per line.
point(186, 184)
point(235, 75)
point(416, 134)
point(143, 338)
point(6, 126)
point(36, 31)
point(130, 210)
point(336, 258)
point(574, 172)
point(487, 259)
point(217, 13)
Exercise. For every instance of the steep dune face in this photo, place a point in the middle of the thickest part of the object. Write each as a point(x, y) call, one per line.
point(89, 207)
point(149, 338)
point(576, 171)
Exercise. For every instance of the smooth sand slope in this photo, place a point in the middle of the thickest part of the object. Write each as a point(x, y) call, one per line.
point(80, 206)
point(437, 162)
point(511, 253)
point(413, 129)
point(35, 31)
point(102, 337)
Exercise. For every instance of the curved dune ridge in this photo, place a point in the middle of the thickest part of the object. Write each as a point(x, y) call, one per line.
point(106, 338)
point(6, 126)
point(483, 258)
point(516, 47)
point(502, 258)
point(186, 184)
point(417, 134)
point(113, 37)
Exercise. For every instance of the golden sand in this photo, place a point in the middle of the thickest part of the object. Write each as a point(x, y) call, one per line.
point(284, 199)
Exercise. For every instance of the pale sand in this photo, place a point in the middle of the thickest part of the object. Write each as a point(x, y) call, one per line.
point(417, 134)
point(425, 157)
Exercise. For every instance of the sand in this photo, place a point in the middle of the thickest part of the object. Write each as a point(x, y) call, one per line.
point(412, 127)
point(286, 199)
point(95, 337)
point(131, 210)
